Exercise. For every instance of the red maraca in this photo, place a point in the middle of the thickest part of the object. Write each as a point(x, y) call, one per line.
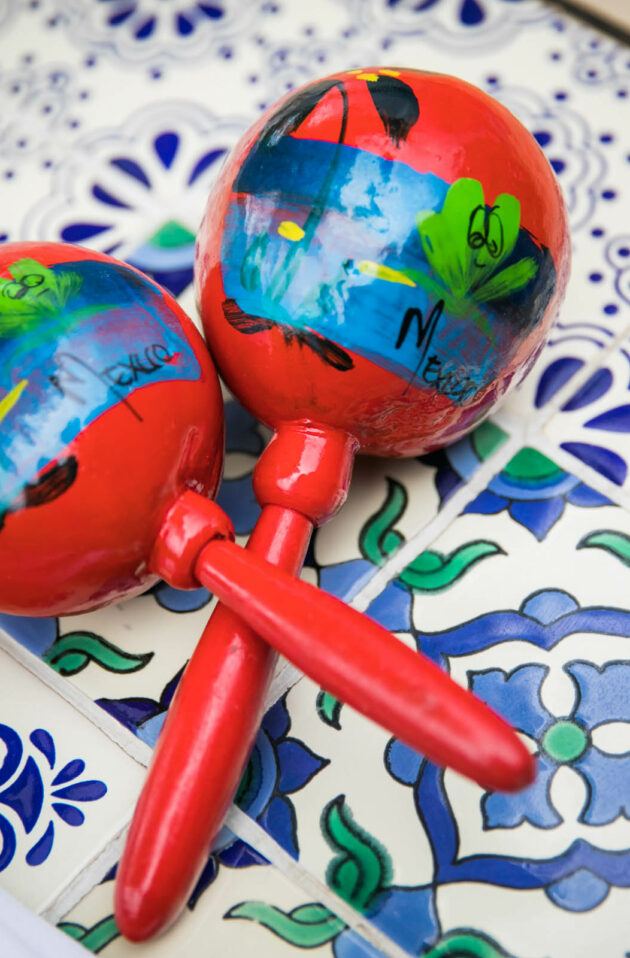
point(112, 428)
point(382, 256)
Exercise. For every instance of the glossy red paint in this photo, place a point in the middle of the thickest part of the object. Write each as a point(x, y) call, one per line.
point(90, 545)
point(460, 132)
point(325, 402)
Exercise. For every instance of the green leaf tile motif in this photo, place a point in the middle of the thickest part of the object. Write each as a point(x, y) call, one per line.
point(431, 571)
point(96, 938)
point(616, 543)
point(73, 652)
point(362, 866)
point(307, 926)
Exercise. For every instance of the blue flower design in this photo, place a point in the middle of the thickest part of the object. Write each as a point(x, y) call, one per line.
point(406, 915)
point(534, 492)
point(615, 419)
point(141, 20)
point(601, 698)
point(23, 791)
point(580, 877)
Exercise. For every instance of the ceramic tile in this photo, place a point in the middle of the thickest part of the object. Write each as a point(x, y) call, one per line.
point(389, 502)
point(66, 789)
point(592, 424)
point(113, 125)
point(248, 910)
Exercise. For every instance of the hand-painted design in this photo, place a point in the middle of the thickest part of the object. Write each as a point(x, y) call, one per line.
point(97, 937)
point(470, 25)
point(329, 709)
point(600, 694)
point(307, 926)
point(299, 189)
point(567, 142)
point(431, 571)
point(73, 652)
point(534, 491)
point(38, 104)
point(25, 788)
point(279, 766)
point(150, 32)
point(313, 925)
point(49, 485)
point(360, 873)
point(180, 600)
point(457, 463)
point(608, 421)
point(143, 716)
point(616, 544)
point(618, 255)
point(109, 189)
point(598, 60)
point(578, 878)
point(47, 347)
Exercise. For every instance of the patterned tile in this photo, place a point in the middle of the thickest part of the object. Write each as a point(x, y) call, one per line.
point(252, 910)
point(65, 789)
point(593, 423)
point(115, 120)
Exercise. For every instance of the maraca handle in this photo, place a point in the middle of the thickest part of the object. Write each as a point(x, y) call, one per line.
point(202, 751)
point(361, 663)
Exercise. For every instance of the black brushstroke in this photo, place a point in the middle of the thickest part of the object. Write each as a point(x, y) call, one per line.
point(50, 485)
point(295, 111)
point(329, 352)
point(396, 104)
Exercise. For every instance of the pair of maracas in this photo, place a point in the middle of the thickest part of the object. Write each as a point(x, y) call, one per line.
point(382, 254)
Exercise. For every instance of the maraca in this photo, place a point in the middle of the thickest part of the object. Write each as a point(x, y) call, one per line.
point(111, 432)
point(381, 258)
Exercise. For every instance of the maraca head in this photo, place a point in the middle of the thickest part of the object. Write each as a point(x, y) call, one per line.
point(110, 408)
point(383, 253)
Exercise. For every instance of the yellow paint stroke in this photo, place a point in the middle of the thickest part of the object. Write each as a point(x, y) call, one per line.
point(384, 272)
point(390, 73)
point(291, 231)
point(9, 401)
point(367, 76)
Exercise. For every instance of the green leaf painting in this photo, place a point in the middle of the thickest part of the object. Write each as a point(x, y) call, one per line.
point(307, 926)
point(362, 866)
point(96, 938)
point(467, 242)
point(615, 543)
point(32, 294)
point(329, 709)
point(466, 944)
point(73, 652)
point(431, 571)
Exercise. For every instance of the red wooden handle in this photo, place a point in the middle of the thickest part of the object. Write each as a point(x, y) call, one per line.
point(202, 751)
point(361, 663)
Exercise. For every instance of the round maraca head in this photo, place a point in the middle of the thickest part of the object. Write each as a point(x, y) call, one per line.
point(109, 409)
point(384, 253)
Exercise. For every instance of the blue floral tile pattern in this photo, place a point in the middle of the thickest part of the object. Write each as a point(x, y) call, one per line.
point(117, 116)
point(22, 791)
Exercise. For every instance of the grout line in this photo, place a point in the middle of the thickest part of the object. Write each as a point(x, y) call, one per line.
point(109, 726)
point(86, 879)
point(428, 533)
point(589, 476)
point(251, 832)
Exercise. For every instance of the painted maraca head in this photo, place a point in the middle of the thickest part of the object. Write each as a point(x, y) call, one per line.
point(109, 409)
point(384, 253)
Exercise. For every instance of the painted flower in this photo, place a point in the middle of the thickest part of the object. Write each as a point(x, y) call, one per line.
point(580, 876)
point(24, 791)
point(601, 697)
point(598, 410)
point(153, 32)
point(534, 492)
point(138, 192)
